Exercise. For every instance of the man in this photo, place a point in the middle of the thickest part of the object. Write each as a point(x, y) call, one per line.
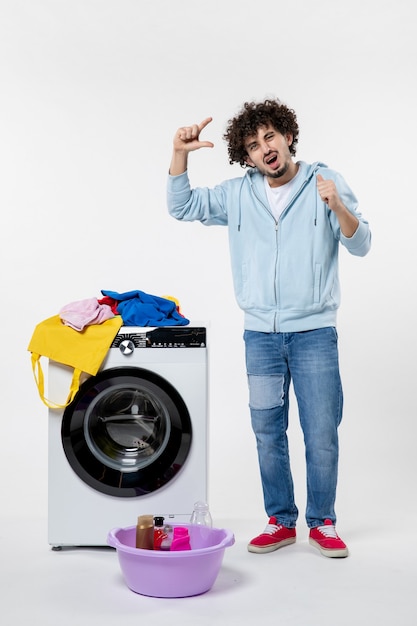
point(286, 220)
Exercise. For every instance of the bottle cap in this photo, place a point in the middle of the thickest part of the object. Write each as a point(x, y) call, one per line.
point(201, 505)
point(145, 521)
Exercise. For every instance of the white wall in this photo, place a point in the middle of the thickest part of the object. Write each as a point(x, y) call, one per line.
point(92, 92)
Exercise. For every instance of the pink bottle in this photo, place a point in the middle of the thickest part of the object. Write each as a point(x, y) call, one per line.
point(181, 539)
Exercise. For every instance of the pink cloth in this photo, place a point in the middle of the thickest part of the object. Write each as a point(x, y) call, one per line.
point(82, 313)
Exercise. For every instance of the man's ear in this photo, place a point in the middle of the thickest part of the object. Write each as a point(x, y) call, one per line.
point(249, 162)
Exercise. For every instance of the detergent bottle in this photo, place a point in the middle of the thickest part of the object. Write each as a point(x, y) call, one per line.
point(159, 533)
point(181, 539)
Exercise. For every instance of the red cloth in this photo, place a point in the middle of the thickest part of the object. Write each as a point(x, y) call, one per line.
point(111, 302)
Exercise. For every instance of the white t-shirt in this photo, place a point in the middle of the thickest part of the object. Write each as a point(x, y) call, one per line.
point(278, 196)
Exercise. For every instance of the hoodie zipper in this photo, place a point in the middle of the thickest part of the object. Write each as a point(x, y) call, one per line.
point(276, 222)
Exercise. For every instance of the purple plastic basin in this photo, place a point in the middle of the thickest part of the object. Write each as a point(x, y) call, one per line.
point(172, 574)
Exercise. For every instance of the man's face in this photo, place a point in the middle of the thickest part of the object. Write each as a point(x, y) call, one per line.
point(268, 150)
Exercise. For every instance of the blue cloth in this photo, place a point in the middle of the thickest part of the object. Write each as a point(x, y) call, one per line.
point(138, 308)
point(310, 360)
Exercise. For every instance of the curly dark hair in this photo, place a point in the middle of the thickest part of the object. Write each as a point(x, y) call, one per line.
point(251, 117)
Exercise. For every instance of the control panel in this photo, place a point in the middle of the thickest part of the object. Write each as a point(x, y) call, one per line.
point(163, 337)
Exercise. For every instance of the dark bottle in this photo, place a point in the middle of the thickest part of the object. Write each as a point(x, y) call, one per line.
point(144, 532)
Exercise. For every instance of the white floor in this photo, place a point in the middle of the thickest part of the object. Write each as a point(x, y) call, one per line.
point(376, 585)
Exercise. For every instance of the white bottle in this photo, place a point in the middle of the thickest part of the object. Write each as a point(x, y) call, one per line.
point(201, 514)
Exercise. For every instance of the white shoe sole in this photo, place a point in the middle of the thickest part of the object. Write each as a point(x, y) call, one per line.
point(338, 554)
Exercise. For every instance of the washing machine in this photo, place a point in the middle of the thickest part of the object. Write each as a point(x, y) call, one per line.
point(134, 439)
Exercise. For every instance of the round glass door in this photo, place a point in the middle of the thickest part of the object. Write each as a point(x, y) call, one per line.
point(127, 432)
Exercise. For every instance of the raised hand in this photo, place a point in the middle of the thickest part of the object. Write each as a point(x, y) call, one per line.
point(329, 194)
point(188, 137)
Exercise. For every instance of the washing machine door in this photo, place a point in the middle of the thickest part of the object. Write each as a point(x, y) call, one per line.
point(127, 432)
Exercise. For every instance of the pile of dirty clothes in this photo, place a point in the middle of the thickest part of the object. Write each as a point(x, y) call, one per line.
point(136, 308)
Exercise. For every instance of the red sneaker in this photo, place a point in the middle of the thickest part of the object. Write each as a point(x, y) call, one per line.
point(274, 536)
point(326, 539)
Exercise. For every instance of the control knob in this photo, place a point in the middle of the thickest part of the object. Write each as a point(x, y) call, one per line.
point(127, 347)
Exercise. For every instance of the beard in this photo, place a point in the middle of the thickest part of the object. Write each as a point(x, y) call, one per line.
point(278, 173)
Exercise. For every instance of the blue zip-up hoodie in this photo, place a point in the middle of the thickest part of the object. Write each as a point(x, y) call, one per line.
point(285, 273)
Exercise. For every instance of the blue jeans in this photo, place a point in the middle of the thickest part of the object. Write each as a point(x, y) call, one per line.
point(310, 360)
